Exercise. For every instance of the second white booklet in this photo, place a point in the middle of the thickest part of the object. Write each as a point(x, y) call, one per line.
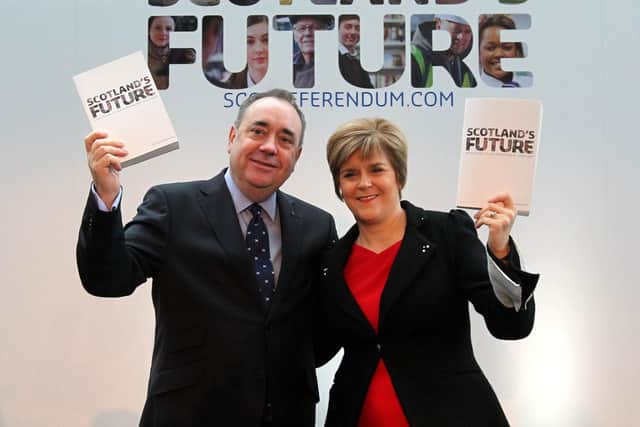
point(500, 140)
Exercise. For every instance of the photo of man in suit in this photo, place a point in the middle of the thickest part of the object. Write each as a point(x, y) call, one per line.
point(232, 277)
point(348, 59)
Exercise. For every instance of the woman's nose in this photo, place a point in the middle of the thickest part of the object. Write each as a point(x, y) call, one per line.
point(364, 180)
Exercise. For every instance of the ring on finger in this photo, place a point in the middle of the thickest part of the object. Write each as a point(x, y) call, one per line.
point(491, 214)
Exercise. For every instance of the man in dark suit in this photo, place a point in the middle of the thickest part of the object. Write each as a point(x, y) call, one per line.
point(348, 62)
point(233, 343)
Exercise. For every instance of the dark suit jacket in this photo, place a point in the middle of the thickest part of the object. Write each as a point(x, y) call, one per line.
point(218, 358)
point(353, 72)
point(238, 80)
point(424, 337)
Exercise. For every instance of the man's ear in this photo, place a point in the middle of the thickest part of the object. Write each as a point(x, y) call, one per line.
point(232, 137)
point(299, 153)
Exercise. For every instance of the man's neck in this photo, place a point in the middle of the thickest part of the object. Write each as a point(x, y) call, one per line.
point(343, 49)
point(254, 194)
point(308, 58)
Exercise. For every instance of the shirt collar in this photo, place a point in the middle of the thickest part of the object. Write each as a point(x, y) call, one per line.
point(343, 49)
point(250, 82)
point(492, 81)
point(242, 202)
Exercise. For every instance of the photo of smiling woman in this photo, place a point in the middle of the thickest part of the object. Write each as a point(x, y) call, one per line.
point(159, 54)
point(492, 50)
point(160, 28)
point(257, 54)
point(395, 294)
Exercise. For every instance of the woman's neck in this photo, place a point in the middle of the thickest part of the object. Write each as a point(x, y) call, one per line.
point(157, 51)
point(256, 76)
point(378, 236)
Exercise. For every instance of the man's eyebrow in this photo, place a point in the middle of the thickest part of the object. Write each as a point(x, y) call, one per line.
point(260, 123)
point(289, 132)
point(263, 123)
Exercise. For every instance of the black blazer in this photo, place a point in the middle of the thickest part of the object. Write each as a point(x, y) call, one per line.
point(218, 358)
point(238, 80)
point(353, 72)
point(424, 336)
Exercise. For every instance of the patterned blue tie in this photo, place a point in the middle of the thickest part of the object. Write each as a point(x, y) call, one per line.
point(258, 248)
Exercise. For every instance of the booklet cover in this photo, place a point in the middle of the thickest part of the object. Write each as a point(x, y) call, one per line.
point(121, 98)
point(500, 140)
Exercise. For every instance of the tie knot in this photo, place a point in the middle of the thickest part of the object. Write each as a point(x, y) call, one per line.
point(255, 209)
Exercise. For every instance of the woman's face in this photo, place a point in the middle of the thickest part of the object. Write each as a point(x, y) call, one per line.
point(492, 50)
point(258, 48)
point(160, 29)
point(370, 188)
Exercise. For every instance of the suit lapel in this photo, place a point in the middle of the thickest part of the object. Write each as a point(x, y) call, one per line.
point(215, 200)
point(335, 279)
point(414, 253)
point(291, 232)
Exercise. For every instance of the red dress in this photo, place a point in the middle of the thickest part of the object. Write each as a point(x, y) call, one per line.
point(366, 273)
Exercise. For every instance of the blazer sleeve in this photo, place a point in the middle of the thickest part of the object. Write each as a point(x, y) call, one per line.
point(112, 260)
point(324, 343)
point(469, 259)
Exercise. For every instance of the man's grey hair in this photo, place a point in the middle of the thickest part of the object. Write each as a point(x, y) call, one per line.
point(280, 94)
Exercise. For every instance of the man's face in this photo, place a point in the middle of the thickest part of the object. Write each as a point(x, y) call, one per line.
point(349, 31)
point(264, 149)
point(460, 35)
point(303, 34)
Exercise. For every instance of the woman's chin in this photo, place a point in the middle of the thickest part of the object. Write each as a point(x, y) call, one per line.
point(496, 74)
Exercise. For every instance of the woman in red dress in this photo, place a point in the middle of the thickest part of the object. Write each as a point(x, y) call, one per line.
point(396, 291)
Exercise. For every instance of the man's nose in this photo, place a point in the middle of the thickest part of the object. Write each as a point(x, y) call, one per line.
point(269, 145)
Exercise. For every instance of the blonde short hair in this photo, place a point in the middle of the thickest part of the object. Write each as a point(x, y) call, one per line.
point(367, 136)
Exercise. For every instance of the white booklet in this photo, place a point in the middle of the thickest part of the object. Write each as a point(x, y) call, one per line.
point(121, 98)
point(500, 141)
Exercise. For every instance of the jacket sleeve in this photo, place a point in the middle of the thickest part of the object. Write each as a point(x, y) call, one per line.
point(324, 344)
point(469, 259)
point(112, 260)
point(511, 284)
